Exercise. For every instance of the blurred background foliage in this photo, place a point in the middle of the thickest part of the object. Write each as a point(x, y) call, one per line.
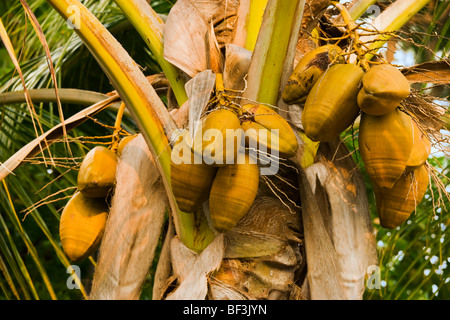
point(414, 259)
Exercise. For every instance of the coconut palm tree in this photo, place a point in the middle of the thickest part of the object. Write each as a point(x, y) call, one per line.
point(311, 233)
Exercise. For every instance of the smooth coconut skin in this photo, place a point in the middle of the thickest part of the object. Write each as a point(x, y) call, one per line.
point(97, 173)
point(331, 106)
point(264, 118)
point(308, 70)
point(420, 150)
point(123, 142)
point(383, 88)
point(395, 205)
point(191, 182)
point(385, 144)
point(232, 194)
point(216, 151)
point(82, 224)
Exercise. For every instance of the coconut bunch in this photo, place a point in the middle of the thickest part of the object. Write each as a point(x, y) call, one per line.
point(392, 145)
point(84, 217)
point(220, 167)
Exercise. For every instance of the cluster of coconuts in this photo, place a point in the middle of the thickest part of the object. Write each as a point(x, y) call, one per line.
point(225, 172)
point(84, 217)
point(392, 146)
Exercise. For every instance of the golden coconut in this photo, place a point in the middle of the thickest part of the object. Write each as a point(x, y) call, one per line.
point(97, 174)
point(82, 224)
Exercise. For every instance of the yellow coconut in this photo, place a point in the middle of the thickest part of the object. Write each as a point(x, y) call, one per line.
point(308, 70)
point(219, 139)
point(123, 142)
point(383, 88)
point(420, 150)
point(385, 144)
point(233, 191)
point(97, 173)
point(190, 181)
point(331, 106)
point(82, 224)
point(264, 128)
point(395, 205)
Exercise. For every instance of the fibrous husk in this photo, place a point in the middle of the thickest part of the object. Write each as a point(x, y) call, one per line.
point(222, 15)
point(312, 13)
point(264, 256)
point(133, 227)
point(437, 72)
point(314, 10)
point(214, 57)
point(192, 270)
point(340, 245)
point(237, 62)
point(428, 112)
point(164, 266)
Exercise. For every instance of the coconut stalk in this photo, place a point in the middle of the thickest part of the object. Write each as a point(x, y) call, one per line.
point(151, 28)
point(250, 17)
point(150, 113)
point(70, 96)
point(356, 9)
point(271, 48)
point(390, 20)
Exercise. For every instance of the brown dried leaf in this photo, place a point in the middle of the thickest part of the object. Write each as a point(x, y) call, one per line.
point(133, 227)
point(216, 10)
point(237, 62)
point(437, 72)
point(214, 57)
point(222, 15)
point(241, 22)
point(199, 90)
point(192, 269)
point(314, 9)
point(184, 38)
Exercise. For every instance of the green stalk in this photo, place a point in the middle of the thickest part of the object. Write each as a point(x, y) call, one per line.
point(70, 96)
point(254, 20)
point(271, 49)
point(390, 20)
point(358, 8)
point(151, 27)
point(149, 112)
point(355, 10)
